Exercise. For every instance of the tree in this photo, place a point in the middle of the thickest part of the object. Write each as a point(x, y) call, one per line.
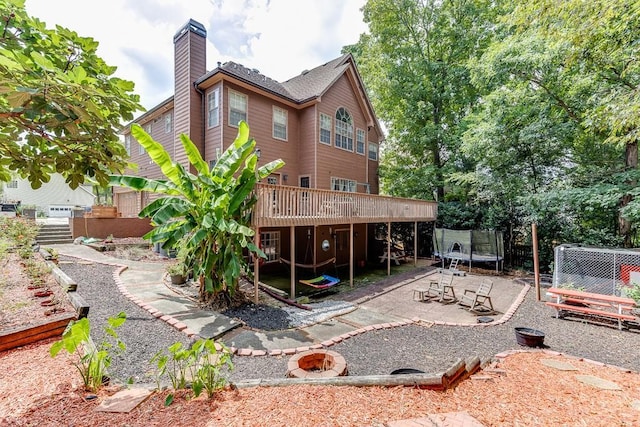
point(582, 56)
point(414, 61)
point(60, 105)
point(207, 215)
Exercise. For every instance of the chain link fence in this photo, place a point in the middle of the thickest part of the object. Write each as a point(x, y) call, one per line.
point(598, 270)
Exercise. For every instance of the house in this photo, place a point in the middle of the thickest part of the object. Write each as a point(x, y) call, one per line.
point(323, 203)
point(54, 199)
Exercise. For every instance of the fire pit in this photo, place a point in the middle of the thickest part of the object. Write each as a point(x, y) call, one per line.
point(317, 364)
point(529, 337)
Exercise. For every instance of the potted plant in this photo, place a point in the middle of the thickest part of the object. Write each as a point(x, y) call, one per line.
point(177, 273)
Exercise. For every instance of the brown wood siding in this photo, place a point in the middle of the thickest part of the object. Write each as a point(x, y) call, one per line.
point(190, 64)
point(333, 161)
point(212, 136)
point(260, 120)
point(373, 136)
point(309, 122)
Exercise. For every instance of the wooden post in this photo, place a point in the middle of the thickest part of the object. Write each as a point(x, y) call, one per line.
point(256, 267)
point(415, 244)
point(351, 255)
point(292, 256)
point(536, 265)
point(388, 248)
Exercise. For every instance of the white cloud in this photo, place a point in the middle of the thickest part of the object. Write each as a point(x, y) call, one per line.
point(279, 37)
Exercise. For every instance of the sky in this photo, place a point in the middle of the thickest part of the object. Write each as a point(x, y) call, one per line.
point(281, 38)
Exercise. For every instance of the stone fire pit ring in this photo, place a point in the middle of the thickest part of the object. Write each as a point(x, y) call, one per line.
point(319, 363)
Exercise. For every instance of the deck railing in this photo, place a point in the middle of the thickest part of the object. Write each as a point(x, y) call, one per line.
point(286, 206)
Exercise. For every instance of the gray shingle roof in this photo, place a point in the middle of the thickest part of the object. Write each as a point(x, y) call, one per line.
point(254, 77)
point(315, 82)
point(308, 85)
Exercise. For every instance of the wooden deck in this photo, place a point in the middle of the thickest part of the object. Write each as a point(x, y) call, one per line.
point(280, 206)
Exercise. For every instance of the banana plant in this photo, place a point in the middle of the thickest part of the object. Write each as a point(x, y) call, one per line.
point(206, 215)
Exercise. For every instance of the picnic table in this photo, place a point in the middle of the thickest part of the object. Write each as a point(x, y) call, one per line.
point(571, 301)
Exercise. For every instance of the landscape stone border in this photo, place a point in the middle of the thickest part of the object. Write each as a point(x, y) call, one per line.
point(55, 325)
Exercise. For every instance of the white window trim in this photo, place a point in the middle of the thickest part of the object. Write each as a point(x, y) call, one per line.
point(286, 123)
point(377, 151)
point(364, 141)
point(168, 123)
point(352, 185)
point(349, 135)
point(127, 143)
point(270, 245)
point(215, 94)
point(246, 112)
point(329, 129)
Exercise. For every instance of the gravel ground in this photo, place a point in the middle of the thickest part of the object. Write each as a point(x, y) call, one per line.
point(143, 334)
point(430, 349)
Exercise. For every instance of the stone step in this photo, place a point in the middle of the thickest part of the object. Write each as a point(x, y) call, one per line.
point(50, 232)
point(56, 241)
point(54, 234)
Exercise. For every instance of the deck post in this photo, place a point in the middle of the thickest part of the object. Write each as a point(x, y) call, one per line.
point(415, 243)
point(351, 255)
point(388, 248)
point(292, 256)
point(256, 267)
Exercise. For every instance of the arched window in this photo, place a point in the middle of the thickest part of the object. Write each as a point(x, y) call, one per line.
point(344, 129)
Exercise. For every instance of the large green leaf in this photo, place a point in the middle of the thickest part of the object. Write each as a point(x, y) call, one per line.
point(157, 153)
point(194, 155)
point(230, 161)
point(204, 215)
point(142, 184)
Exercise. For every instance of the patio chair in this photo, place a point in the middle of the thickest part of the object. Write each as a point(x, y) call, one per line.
point(478, 301)
point(442, 289)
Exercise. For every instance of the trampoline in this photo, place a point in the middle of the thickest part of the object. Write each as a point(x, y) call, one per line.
point(469, 246)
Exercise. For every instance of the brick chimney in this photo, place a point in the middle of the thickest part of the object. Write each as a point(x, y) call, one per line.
point(190, 63)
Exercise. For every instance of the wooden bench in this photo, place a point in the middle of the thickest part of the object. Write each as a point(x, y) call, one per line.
point(569, 301)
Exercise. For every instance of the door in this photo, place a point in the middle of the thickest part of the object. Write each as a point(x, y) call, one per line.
point(342, 247)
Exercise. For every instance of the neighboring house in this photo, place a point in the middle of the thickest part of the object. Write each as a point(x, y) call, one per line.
point(322, 204)
point(54, 199)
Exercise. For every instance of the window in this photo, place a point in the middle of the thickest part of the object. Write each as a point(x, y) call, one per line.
point(237, 108)
point(344, 130)
point(373, 151)
point(342, 184)
point(270, 245)
point(213, 102)
point(127, 143)
point(305, 182)
point(168, 125)
point(325, 129)
point(12, 184)
point(273, 180)
point(360, 141)
point(279, 123)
